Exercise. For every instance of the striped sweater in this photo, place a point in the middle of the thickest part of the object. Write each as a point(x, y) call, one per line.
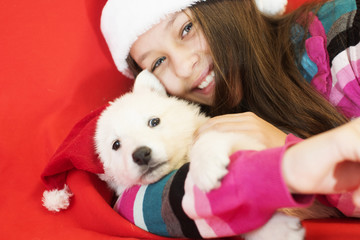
point(254, 188)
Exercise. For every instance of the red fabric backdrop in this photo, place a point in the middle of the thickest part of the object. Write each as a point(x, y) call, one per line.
point(54, 69)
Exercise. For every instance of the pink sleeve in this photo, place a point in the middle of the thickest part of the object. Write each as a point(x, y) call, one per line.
point(343, 202)
point(249, 195)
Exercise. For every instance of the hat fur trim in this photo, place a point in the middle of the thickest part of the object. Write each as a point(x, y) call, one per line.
point(122, 22)
point(56, 200)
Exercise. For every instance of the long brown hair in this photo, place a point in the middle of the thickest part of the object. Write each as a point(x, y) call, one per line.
point(253, 55)
point(254, 60)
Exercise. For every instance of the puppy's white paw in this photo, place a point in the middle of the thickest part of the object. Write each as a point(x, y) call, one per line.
point(280, 227)
point(208, 161)
point(207, 176)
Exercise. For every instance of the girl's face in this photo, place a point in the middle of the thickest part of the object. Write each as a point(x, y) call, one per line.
point(178, 54)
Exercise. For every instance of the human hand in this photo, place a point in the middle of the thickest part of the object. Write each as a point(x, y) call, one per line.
point(223, 135)
point(326, 163)
point(249, 126)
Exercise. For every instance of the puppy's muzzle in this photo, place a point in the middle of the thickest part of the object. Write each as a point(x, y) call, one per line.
point(142, 156)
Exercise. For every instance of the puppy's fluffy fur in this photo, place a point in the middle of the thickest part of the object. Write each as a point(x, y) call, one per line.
point(148, 124)
point(145, 134)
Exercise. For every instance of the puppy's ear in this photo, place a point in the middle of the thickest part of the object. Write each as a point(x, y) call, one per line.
point(147, 81)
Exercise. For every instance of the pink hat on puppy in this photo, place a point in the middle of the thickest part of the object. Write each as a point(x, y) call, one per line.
point(123, 21)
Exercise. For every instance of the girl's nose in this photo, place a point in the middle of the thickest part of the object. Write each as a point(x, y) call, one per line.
point(184, 62)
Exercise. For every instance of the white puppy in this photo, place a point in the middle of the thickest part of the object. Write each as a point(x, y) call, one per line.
point(145, 134)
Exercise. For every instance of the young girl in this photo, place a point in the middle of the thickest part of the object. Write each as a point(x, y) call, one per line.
point(298, 72)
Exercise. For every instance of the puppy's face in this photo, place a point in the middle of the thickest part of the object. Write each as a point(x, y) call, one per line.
point(143, 136)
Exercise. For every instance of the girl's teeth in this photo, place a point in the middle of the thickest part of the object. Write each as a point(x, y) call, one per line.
point(209, 78)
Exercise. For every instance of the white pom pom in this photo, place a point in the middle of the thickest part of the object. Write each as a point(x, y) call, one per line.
point(271, 7)
point(56, 200)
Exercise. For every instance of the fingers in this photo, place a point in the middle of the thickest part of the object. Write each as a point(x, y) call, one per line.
point(248, 125)
point(346, 176)
point(343, 142)
point(248, 121)
point(223, 122)
point(330, 161)
point(356, 197)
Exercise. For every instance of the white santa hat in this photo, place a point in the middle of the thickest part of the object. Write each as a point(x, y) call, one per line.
point(123, 21)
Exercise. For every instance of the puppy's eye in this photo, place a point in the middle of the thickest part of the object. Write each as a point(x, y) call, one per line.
point(116, 145)
point(154, 122)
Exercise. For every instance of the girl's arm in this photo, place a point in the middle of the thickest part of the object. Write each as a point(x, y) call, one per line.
point(249, 194)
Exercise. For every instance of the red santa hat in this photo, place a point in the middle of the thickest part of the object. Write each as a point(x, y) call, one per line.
point(123, 21)
point(76, 152)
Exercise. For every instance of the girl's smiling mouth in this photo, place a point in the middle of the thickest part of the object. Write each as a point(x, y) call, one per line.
point(208, 79)
point(206, 82)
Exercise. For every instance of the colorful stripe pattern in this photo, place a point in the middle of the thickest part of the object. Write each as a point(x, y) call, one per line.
point(236, 208)
point(334, 48)
point(157, 207)
point(166, 208)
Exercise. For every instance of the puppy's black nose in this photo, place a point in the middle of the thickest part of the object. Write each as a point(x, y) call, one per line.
point(142, 155)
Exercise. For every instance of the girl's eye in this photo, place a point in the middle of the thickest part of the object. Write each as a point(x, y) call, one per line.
point(158, 63)
point(154, 122)
point(186, 29)
point(116, 145)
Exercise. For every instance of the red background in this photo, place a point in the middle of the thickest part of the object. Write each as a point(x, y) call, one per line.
point(54, 69)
